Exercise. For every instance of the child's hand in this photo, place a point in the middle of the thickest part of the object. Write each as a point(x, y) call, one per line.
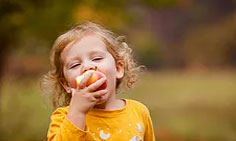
point(84, 98)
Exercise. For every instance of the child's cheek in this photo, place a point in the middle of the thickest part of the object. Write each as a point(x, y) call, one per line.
point(70, 78)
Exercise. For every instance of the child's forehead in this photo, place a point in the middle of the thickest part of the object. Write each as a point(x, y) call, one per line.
point(88, 45)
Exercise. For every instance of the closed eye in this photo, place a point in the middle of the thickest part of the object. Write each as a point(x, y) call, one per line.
point(74, 65)
point(97, 58)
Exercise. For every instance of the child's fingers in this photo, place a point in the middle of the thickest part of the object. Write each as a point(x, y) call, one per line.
point(83, 82)
point(96, 85)
point(100, 93)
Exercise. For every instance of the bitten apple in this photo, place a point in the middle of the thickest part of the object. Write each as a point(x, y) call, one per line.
point(96, 75)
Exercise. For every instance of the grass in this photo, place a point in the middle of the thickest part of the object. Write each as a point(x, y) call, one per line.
point(183, 106)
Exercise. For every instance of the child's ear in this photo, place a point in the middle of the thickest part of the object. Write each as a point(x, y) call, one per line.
point(65, 85)
point(120, 69)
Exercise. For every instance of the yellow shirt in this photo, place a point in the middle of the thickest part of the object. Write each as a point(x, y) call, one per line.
point(131, 123)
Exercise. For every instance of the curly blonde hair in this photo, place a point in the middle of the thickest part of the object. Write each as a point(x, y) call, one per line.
point(116, 45)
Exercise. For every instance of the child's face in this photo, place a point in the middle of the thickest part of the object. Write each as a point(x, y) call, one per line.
point(90, 53)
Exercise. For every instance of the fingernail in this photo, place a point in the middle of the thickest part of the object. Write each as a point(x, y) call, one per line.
point(72, 91)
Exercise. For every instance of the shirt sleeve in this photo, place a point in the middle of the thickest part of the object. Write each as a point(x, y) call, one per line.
point(61, 129)
point(149, 134)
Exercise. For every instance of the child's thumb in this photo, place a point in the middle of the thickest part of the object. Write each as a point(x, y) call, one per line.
point(72, 92)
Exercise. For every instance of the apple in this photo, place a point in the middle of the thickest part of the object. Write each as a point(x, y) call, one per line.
point(96, 75)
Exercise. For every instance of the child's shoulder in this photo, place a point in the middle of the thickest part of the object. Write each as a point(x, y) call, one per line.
point(61, 111)
point(137, 105)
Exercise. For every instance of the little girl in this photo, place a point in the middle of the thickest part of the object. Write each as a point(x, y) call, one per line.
point(84, 112)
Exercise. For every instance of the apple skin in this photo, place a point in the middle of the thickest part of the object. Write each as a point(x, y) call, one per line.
point(96, 75)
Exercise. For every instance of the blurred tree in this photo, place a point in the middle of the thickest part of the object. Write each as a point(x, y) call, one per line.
point(8, 30)
point(27, 19)
point(113, 14)
point(212, 45)
point(159, 4)
point(173, 24)
point(146, 47)
point(31, 26)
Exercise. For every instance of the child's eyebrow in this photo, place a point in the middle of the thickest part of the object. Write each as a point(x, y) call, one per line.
point(96, 52)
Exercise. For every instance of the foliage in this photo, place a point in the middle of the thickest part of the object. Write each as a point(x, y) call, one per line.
point(30, 27)
point(212, 45)
point(159, 4)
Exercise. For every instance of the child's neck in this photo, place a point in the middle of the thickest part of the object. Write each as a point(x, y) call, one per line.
point(111, 104)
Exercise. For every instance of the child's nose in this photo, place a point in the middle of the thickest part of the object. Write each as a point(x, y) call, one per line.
point(88, 67)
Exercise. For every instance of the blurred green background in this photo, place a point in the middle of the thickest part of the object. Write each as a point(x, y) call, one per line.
point(188, 47)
